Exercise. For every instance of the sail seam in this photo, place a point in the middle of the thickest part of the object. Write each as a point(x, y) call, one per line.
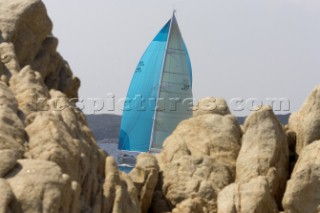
point(161, 77)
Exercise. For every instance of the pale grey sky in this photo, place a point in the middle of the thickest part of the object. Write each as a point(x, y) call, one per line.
point(238, 48)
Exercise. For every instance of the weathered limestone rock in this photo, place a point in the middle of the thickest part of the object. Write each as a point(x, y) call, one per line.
point(9, 60)
point(31, 93)
point(8, 159)
point(210, 105)
point(192, 205)
point(306, 122)
point(33, 124)
point(251, 197)
point(6, 197)
point(120, 194)
point(145, 177)
point(25, 25)
point(12, 134)
point(212, 135)
point(61, 135)
point(303, 189)
point(18, 25)
point(49, 193)
point(264, 152)
point(198, 160)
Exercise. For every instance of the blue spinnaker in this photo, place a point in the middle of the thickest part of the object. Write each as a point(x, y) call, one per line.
point(160, 93)
point(139, 108)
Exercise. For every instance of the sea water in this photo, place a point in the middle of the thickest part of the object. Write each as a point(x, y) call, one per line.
point(112, 149)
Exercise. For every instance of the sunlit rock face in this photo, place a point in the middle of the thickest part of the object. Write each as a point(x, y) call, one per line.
point(198, 159)
point(306, 122)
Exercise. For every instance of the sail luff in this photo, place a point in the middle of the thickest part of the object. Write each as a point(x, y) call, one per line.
point(160, 80)
point(175, 88)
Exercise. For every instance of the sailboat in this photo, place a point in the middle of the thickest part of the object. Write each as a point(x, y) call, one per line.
point(160, 93)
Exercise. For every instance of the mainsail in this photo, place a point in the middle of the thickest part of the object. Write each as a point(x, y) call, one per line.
point(160, 93)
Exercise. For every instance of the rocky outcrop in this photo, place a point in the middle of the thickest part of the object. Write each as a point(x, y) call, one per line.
point(120, 194)
point(145, 178)
point(53, 192)
point(306, 122)
point(248, 197)
point(211, 105)
point(264, 152)
point(12, 133)
point(26, 25)
point(49, 159)
point(198, 160)
point(8, 159)
point(196, 204)
point(6, 196)
point(303, 189)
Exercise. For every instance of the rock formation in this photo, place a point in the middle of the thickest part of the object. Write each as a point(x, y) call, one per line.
point(303, 189)
point(49, 159)
point(264, 152)
point(53, 192)
point(145, 178)
point(306, 122)
point(247, 197)
point(198, 160)
point(120, 194)
point(261, 168)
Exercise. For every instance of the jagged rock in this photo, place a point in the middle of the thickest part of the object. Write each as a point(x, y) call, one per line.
point(291, 138)
point(264, 151)
point(303, 189)
point(6, 197)
point(198, 159)
point(159, 202)
point(33, 122)
point(62, 136)
point(9, 60)
point(251, 197)
point(25, 25)
point(191, 205)
point(210, 105)
point(18, 25)
point(8, 159)
point(31, 93)
point(40, 186)
point(120, 194)
point(306, 122)
point(212, 135)
point(12, 134)
point(145, 178)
